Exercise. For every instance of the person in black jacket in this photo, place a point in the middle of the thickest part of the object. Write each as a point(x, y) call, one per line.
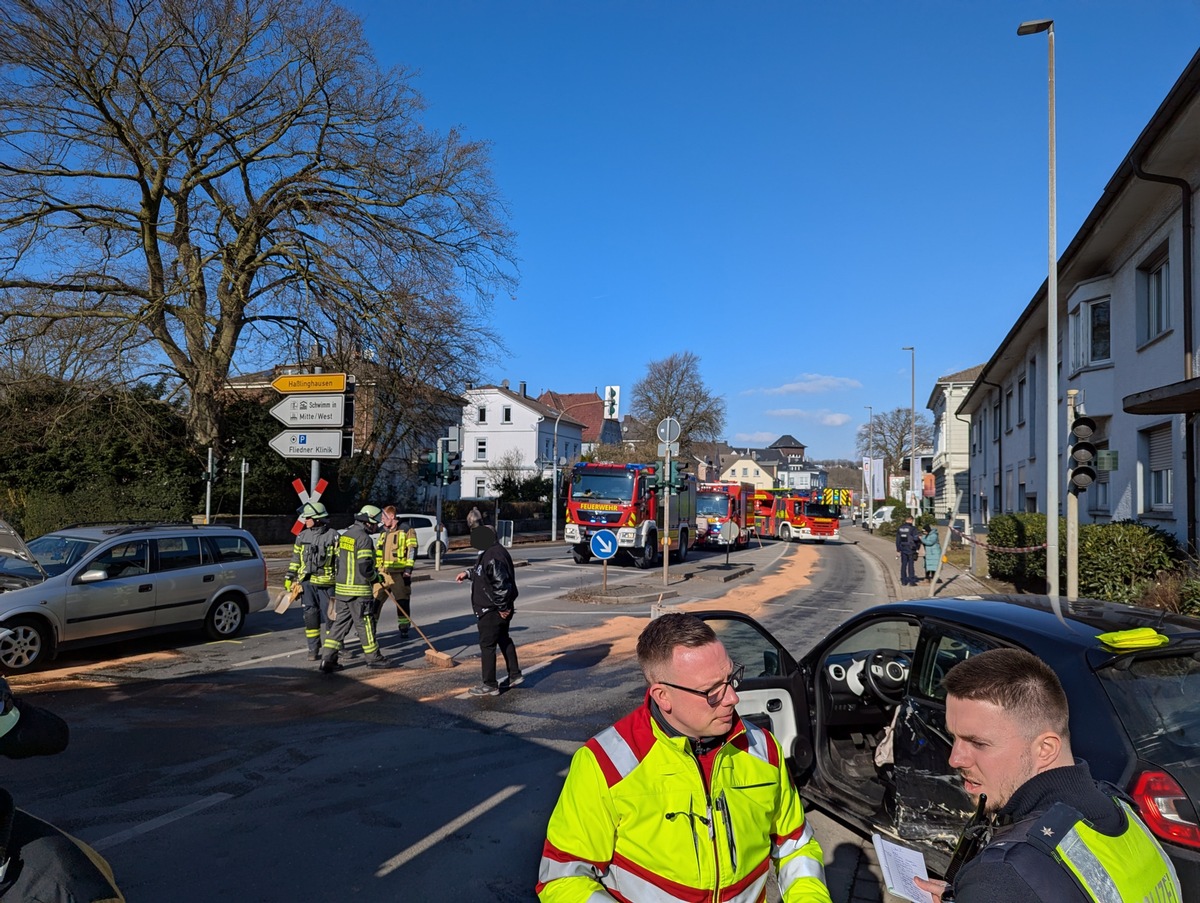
point(493, 592)
point(1055, 827)
point(908, 541)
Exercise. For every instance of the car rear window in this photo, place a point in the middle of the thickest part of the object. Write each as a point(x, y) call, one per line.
point(1158, 700)
point(234, 548)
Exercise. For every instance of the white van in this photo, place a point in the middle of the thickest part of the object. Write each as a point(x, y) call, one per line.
point(880, 516)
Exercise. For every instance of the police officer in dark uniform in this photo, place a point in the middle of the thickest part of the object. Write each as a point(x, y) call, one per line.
point(908, 541)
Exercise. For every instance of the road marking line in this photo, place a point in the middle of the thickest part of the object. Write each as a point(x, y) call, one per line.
point(265, 658)
point(155, 823)
point(449, 828)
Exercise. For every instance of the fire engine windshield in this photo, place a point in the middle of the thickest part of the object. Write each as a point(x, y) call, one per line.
point(822, 510)
point(614, 485)
point(713, 504)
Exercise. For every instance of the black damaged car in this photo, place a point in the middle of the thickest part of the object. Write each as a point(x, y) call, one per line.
point(863, 713)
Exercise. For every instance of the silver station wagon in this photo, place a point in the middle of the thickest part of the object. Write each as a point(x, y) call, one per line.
point(88, 585)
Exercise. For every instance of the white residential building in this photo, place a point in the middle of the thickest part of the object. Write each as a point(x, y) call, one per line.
point(951, 441)
point(1127, 345)
point(497, 424)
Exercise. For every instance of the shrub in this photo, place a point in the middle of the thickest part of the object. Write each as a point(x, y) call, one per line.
point(1118, 561)
point(1017, 531)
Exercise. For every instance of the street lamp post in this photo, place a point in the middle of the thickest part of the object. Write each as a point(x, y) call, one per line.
point(554, 471)
point(871, 458)
point(912, 419)
point(1037, 26)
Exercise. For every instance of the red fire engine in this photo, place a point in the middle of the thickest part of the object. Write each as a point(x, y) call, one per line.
point(718, 503)
point(628, 499)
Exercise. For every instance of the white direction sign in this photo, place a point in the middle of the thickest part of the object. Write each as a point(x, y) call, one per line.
point(311, 410)
point(308, 443)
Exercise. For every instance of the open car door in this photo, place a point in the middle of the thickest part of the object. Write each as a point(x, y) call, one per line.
point(773, 691)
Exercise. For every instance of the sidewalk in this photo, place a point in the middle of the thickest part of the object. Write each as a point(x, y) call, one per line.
point(954, 582)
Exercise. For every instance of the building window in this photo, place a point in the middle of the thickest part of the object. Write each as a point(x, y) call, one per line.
point(1021, 400)
point(1153, 300)
point(548, 455)
point(1157, 445)
point(745, 471)
point(481, 414)
point(481, 449)
point(1031, 374)
point(996, 424)
point(506, 414)
point(481, 487)
point(1091, 340)
point(1008, 410)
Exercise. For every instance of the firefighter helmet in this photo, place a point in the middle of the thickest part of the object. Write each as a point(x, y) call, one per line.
point(315, 510)
point(369, 513)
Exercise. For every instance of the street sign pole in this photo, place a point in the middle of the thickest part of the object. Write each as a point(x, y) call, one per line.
point(666, 535)
point(208, 489)
point(242, 494)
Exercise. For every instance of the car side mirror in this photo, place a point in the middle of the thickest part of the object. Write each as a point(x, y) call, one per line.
point(95, 575)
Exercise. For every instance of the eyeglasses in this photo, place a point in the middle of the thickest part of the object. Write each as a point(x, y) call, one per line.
point(714, 697)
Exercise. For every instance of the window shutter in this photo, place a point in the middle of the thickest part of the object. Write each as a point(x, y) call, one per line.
point(1160, 448)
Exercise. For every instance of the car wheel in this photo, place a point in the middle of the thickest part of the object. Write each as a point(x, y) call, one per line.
point(226, 618)
point(682, 553)
point(646, 557)
point(27, 647)
point(432, 551)
point(785, 532)
point(582, 555)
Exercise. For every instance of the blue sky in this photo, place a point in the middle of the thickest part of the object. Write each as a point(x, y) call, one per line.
point(790, 190)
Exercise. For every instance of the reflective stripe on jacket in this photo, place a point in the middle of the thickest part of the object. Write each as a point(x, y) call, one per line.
point(397, 550)
point(635, 822)
point(1129, 867)
point(356, 575)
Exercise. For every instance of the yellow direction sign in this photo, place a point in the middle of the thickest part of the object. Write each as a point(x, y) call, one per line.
point(310, 382)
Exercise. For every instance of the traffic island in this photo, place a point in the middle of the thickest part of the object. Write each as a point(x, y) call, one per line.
point(619, 595)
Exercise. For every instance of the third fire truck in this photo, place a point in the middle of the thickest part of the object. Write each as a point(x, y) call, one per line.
point(629, 500)
point(795, 514)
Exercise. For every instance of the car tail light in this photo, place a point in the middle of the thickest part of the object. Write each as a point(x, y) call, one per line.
point(1166, 809)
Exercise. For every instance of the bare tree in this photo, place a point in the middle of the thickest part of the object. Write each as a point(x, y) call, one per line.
point(211, 178)
point(673, 388)
point(889, 436)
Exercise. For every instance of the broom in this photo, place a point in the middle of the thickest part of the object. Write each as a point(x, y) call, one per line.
point(285, 599)
point(432, 656)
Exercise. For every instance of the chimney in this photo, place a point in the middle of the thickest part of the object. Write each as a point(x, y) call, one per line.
point(521, 389)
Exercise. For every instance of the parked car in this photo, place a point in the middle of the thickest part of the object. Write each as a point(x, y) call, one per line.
point(83, 586)
point(1135, 714)
point(424, 525)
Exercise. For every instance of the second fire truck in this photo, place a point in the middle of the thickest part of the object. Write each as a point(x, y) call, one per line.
point(718, 503)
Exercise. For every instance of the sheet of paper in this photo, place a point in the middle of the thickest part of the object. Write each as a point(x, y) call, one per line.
point(899, 866)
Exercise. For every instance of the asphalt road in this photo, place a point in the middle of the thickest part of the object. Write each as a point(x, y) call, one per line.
point(213, 771)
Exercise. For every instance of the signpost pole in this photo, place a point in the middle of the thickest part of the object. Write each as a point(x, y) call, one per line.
point(666, 533)
point(208, 489)
point(242, 494)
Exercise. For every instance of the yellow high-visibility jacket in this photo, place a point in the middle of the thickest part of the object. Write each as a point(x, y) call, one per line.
point(396, 550)
point(636, 822)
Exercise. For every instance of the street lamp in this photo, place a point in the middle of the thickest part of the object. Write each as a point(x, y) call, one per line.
point(554, 471)
point(912, 419)
point(1037, 26)
point(870, 457)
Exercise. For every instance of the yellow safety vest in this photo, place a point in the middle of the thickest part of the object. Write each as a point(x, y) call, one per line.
point(356, 564)
point(635, 818)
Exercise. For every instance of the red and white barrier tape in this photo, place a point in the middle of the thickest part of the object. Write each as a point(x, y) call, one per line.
point(983, 545)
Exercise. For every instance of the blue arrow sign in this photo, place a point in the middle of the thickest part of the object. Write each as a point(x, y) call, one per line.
point(604, 544)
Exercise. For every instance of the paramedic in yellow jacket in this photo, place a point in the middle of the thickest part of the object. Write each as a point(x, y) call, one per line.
point(395, 555)
point(680, 800)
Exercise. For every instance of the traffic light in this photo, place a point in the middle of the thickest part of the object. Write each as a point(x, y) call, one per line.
point(1081, 469)
point(428, 467)
point(453, 466)
point(677, 475)
point(612, 400)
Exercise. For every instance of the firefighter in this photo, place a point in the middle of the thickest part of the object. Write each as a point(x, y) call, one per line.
point(354, 592)
point(396, 555)
point(314, 558)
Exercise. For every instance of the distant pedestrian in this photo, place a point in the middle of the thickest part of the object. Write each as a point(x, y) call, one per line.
point(474, 519)
point(908, 541)
point(933, 552)
point(493, 592)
